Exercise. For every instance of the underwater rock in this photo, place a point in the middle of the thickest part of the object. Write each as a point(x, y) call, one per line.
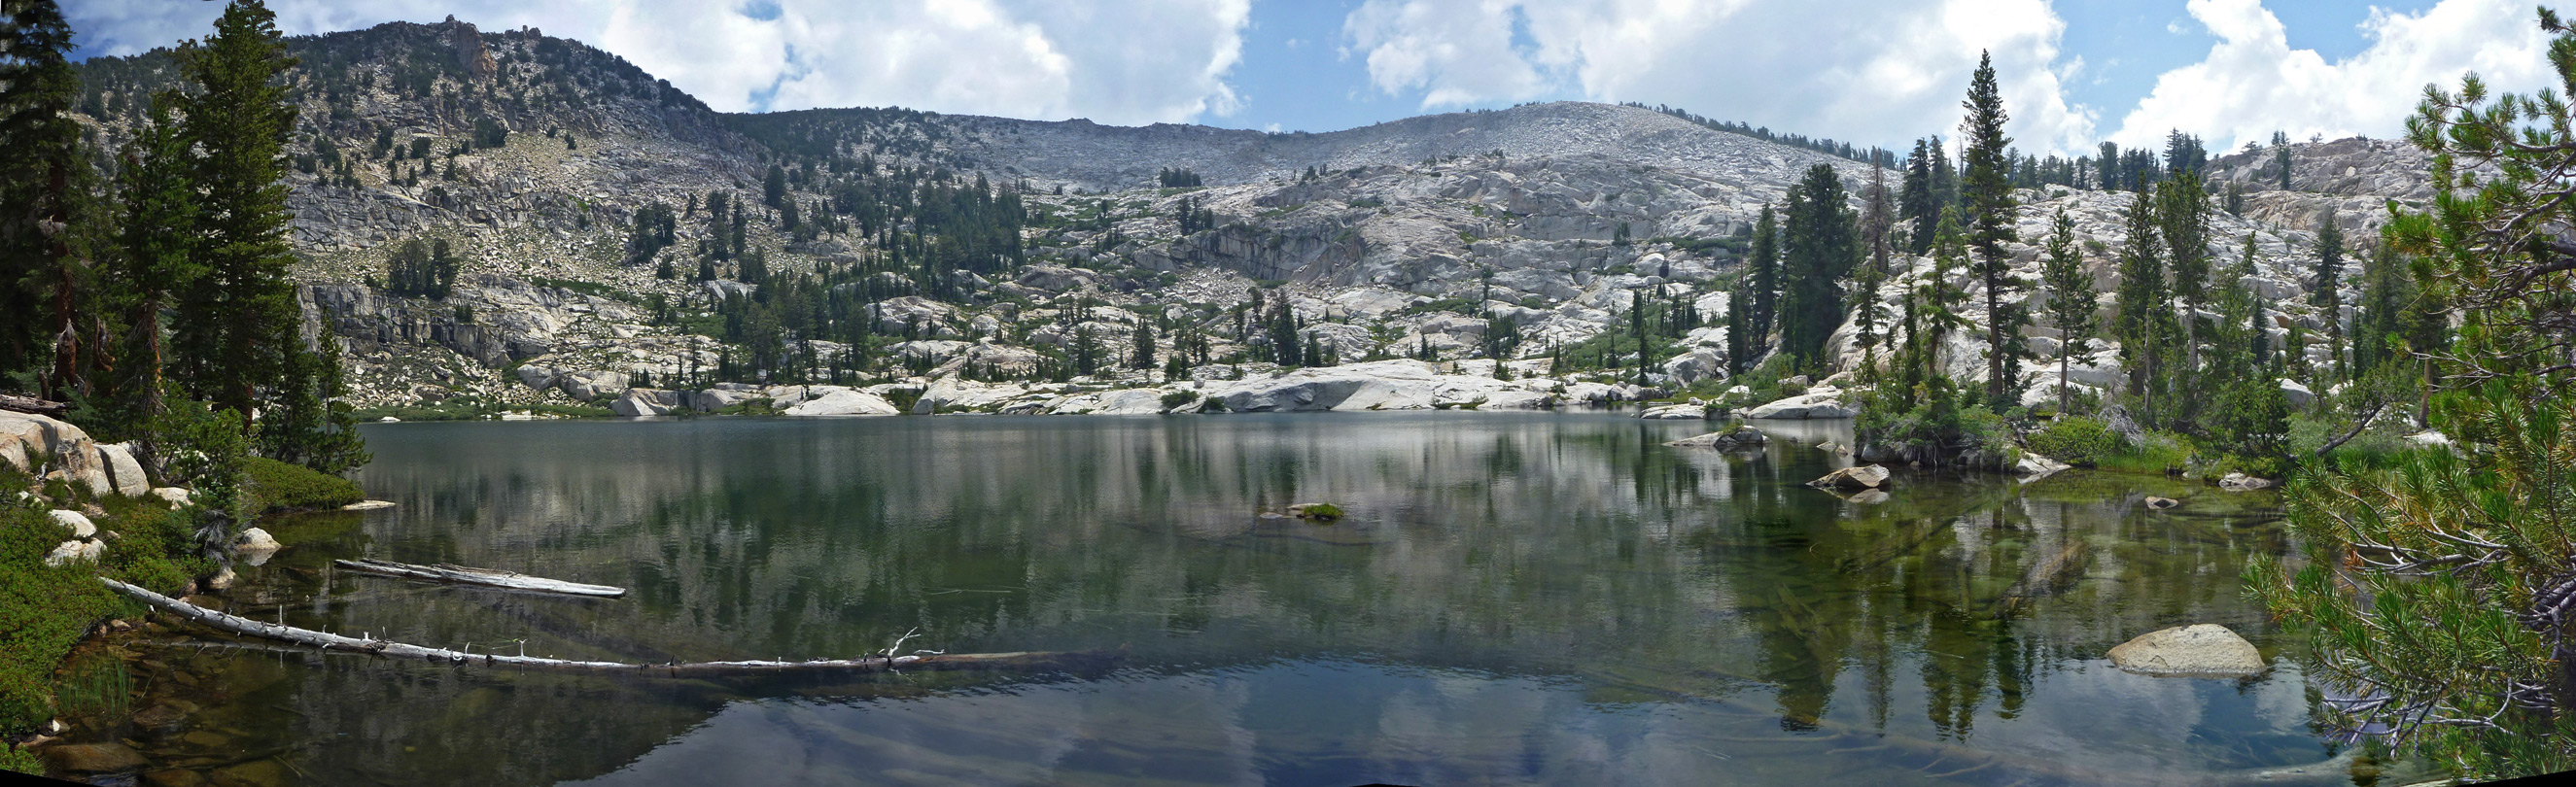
point(109, 757)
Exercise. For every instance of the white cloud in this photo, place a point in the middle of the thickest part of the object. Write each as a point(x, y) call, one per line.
point(1881, 70)
point(2253, 83)
point(1127, 63)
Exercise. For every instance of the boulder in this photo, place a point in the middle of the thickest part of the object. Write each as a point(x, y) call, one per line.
point(23, 436)
point(108, 757)
point(175, 496)
point(836, 400)
point(73, 521)
point(1823, 403)
point(2034, 467)
point(2299, 395)
point(642, 402)
point(1860, 477)
point(588, 385)
point(123, 471)
point(367, 505)
point(75, 552)
point(1677, 412)
point(2240, 482)
point(2161, 503)
point(1741, 437)
point(255, 540)
point(2202, 650)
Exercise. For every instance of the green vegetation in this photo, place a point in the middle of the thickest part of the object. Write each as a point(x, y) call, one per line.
point(2435, 590)
point(271, 485)
point(2078, 441)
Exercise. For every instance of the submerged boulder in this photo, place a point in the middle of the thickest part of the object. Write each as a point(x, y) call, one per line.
point(2203, 650)
point(1739, 437)
point(1860, 477)
point(109, 757)
point(2240, 482)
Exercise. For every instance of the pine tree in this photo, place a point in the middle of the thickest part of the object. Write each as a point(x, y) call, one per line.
point(153, 264)
point(1876, 224)
point(2070, 295)
point(2328, 293)
point(1919, 206)
point(1822, 244)
point(1143, 355)
point(238, 323)
point(1987, 191)
point(1764, 274)
point(2182, 222)
point(2145, 305)
point(41, 278)
point(773, 187)
point(2281, 158)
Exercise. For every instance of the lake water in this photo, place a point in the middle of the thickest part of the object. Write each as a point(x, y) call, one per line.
point(1513, 599)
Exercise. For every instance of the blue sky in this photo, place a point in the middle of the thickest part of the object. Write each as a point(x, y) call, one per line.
point(1869, 71)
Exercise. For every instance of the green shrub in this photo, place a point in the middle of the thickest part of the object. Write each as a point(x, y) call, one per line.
point(2082, 442)
point(275, 485)
point(1179, 398)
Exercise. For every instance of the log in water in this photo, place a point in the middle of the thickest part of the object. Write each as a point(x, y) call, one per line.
point(485, 577)
point(921, 660)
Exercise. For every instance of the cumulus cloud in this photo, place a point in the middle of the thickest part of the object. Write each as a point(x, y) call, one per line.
point(2253, 83)
point(1128, 63)
point(1885, 70)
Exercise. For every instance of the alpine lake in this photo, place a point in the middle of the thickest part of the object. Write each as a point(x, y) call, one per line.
point(1545, 598)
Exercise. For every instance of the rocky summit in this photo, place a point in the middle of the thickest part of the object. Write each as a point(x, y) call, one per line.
point(579, 208)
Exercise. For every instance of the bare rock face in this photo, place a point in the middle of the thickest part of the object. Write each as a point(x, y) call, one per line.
point(2202, 650)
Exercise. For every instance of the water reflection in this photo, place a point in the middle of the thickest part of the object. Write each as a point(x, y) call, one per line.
point(1513, 599)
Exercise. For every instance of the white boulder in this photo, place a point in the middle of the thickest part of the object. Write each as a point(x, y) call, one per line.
point(175, 496)
point(73, 521)
point(75, 552)
point(1816, 404)
point(837, 400)
point(123, 471)
point(255, 540)
point(1676, 412)
point(2202, 650)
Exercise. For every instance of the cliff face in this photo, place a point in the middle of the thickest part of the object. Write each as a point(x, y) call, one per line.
point(535, 157)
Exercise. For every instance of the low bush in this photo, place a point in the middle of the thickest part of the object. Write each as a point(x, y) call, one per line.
point(275, 485)
point(2082, 442)
point(1179, 398)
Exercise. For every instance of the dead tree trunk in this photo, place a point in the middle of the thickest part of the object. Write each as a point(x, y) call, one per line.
point(887, 662)
point(507, 580)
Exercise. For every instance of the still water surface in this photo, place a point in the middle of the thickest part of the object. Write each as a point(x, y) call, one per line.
point(1514, 599)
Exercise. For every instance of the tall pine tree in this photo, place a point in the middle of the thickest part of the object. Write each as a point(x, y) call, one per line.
point(1763, 274)
point(41, 279)
point(237, 323)
point(1987, 192)
point(2070, 295)
point(2328, 294)
point(1822, 243)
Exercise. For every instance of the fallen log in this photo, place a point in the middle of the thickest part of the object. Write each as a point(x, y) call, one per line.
point(886, 662)
point(486, 577)
point(34, 406)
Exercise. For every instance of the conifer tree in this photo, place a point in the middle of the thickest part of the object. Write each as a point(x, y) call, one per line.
point(1987, 193)
point(2145, 305)
point(238, 323)
point(1876, 224)
point(41, 278)
point(1143, 355)
point(153, 265)
point(1822, 243)
point(2070, 295)
point(2281, 158)
point(1919, 205)
point(2328, 294)
point(2182, 222)
point(1763, 273)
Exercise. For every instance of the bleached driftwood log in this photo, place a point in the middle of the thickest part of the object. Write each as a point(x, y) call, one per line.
point(888, 661)
point(486, 577)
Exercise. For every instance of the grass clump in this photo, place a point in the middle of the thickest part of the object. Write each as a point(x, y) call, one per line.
point(275, 485)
